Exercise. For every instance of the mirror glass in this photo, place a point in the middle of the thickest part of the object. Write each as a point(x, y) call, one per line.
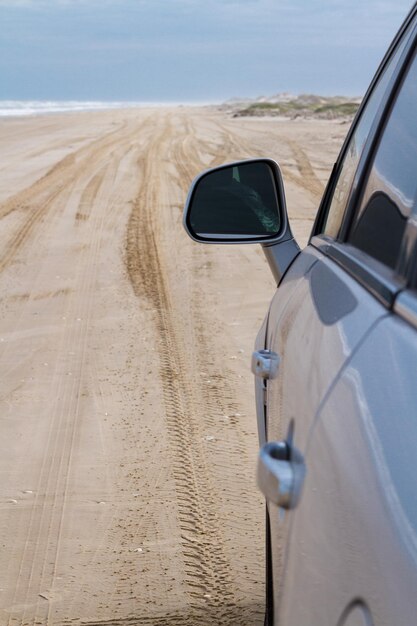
point(236, 201)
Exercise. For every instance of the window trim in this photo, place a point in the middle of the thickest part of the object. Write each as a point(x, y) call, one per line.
point(374, 132)
point(378, 279)
point(405, 306)
point(371, 147)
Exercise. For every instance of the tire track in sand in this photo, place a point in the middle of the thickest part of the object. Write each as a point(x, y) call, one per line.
point(308, 178)
point(231, 459)
point(35, 201)
point(35, 567)
point(207, 570)
point(36, 571)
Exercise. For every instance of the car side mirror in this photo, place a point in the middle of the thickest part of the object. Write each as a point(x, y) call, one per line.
point(241, 202)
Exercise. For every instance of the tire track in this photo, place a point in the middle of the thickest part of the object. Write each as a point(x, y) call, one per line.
point(88, 196)
point(50, 196)
point(36, 201)
point(39, 556)
point(117, 532)
point(24, 231)
point(307, 179)
point(186, 522)
point(184, 153)
point(223, 412)
point(234, 148)
point(206, 565)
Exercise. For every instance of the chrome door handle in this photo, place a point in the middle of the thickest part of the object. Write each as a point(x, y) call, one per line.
point(279, 478)
point(265, 364)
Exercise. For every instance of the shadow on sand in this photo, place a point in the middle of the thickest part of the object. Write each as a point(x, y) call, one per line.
point(244, 615)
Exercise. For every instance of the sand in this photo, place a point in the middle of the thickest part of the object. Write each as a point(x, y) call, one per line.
point(128, 434)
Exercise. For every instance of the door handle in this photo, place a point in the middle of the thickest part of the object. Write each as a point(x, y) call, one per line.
point(265, 364)
point(280, 477)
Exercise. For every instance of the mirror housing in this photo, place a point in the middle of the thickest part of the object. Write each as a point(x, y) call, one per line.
point(242, 202)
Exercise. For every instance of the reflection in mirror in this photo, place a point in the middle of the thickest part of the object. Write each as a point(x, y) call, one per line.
point(236, 200)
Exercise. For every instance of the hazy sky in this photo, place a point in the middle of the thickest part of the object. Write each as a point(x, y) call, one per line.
point(191, 50)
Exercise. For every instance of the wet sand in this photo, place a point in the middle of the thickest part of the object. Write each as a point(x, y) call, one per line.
point(128, 431)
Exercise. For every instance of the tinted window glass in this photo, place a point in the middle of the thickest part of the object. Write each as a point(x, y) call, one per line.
point(391, 188)
point(355, 147)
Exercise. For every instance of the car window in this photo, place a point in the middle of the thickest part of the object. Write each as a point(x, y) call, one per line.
point(353, 152)
point(390, 191)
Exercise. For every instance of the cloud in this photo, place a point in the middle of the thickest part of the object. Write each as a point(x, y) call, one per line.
point(245, 44)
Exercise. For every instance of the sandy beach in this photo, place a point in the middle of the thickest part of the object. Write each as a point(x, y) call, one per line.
point(128, 433)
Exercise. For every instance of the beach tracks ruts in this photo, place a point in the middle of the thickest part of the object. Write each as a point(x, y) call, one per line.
point(128, 436)
point(208, 582)
point(306, 176)
point(52, 191)
point(29, 574)
point(126, 503)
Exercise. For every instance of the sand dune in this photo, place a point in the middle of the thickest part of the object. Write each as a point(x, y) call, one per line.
point(128, 434)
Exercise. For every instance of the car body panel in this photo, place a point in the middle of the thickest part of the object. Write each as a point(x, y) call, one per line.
point(318, 311)
point(355, 532)
point(318, 318)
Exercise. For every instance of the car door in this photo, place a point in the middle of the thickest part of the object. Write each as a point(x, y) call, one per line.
point(315, 333)
point(334, 295)
point(354, 538)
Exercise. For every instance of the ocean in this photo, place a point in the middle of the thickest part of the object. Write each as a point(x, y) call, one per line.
point(13, 108)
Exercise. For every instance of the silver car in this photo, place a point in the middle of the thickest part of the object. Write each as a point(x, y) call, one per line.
point(336, 363)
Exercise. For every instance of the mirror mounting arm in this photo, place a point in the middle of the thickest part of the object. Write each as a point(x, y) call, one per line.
point(280, 256)
point(243, 202)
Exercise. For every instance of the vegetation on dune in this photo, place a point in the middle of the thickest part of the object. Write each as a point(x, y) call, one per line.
point(344, 108)
point(302, 106)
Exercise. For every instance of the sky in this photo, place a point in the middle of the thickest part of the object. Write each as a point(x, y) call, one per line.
point(191, 50)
